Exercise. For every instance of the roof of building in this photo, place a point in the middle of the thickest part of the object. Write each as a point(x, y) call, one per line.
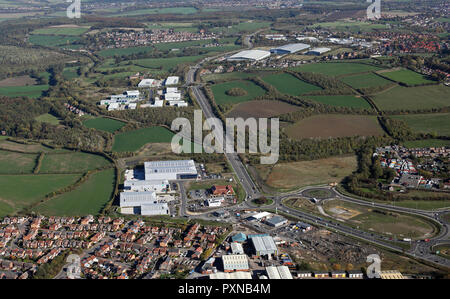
point(129, 199)
point(239, 237)
point(250, 55)
point(146, 82)
point(129, 183)
point(292, 48)
point(237, 248)
point(172, 80)
point(154, 207)
point(234, 275)
point(174, 166)
point(262, 244)
point(320, 50)
point(280, 272)
point(260, 215)
point(132, 92)
point(276, 220)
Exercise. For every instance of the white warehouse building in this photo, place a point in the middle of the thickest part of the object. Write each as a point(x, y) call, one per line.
point(289, 48)
point(172, 80)
point(280, 272)
point(142, 203)
point(253, 55)
point(235, 262)
point(170, 170)
point(158, 186)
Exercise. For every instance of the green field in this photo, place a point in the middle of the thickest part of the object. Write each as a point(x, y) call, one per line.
point(347, 26)
point(413, 98)
point(424, 204)
point(407, 77)
point(228, 76)
point(336, 68)
point(438, 123)
point(70, 73)
point(151, 11)
point(165, 64)
point(48, 118)
point(16, 163)
point(287, 83)
point(32, 91)
point(52, 40)
point(380, 221)
point(87, 199)
point(221, 97)
point(124, 51)
point(342, 101)
point(427, 143)
point(133, 140)
point(76, 162)
point(365, 80)
point(19, 191)
point(241, 27)
point(104, 124)
point(71, 31)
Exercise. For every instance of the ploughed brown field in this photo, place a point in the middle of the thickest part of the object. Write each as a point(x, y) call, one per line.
point(18, 81)
point(263, 108)
point(329, 125)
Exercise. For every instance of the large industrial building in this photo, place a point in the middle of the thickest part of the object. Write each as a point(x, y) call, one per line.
point(264, 246)
point(252, 55)
point(155, 209)
point(170, 170)
point(318, 51)
point(233, 275)
point(142, 203)
point(289, 49)
point(280, 272)
point(158, 186)
point(235, 262)
point(172, 80)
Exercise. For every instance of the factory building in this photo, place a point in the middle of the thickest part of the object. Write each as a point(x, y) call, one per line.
point(280, 272)
point(276, 221)
point(158, 186)
point(318, 51)
point(289, 49)
point(149, 83)
point(252, 55)
point(235, 262)
point(234, 275)
point(214, 202)
point(264, 246)
point(170, 170)
point(172, 80)
point(237, 248)
point(142, 203)
point(155, 209)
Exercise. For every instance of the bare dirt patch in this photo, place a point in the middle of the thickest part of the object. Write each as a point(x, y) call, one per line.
point(18, 81)
point(325, 126)
point(307, 173)
point(263, 108)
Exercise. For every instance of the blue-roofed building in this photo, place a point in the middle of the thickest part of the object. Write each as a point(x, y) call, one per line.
point(240, 237)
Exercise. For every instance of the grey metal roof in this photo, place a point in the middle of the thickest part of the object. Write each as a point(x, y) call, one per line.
point(131, 199)
point(293, 47)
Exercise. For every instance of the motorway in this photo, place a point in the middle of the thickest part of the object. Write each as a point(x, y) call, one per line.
point(421, 250)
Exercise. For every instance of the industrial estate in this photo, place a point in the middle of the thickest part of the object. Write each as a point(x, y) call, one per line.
point(92, 188)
